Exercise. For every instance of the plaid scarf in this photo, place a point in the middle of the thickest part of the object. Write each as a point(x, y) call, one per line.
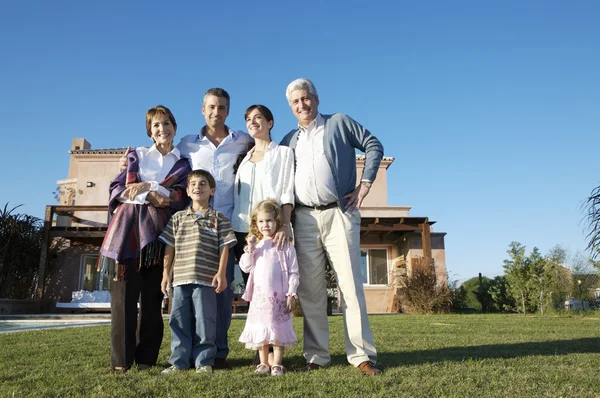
point(134, 226)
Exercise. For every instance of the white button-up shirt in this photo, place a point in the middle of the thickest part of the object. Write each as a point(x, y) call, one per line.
point(314, 183)
point(153, 168)
point(218, 161)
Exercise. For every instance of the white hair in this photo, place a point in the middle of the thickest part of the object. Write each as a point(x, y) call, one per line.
point(301, 84)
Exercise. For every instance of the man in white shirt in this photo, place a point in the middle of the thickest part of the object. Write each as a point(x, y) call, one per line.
point(216, 149)
point(327, 223)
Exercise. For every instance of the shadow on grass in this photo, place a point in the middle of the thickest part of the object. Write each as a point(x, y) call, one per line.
point(492, 351)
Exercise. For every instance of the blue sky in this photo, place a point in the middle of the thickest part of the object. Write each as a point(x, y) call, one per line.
point(491, 109)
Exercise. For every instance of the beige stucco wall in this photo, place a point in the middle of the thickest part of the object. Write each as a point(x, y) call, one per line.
point(378, 194)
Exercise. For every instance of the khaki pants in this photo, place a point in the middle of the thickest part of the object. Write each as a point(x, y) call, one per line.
point(334, 236)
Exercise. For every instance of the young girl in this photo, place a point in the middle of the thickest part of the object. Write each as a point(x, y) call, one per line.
point(271, 288)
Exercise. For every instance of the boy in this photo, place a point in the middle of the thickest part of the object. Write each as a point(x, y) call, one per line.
point(197, 241)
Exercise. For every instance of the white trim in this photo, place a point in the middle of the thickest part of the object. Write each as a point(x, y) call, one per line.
point(388, 249)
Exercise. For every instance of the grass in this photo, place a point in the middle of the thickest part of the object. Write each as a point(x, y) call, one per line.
point(423, 356)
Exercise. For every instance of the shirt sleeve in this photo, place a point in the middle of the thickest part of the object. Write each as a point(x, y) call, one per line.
point(168, 235)
point(247, 261)
point(293, 276)
point(225, 231)
point(363, 140)
point(287, 176)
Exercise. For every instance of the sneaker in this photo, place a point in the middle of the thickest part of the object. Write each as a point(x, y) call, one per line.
point(262, 369)
point(277, 370)
point(170, 369)
point(204, 369)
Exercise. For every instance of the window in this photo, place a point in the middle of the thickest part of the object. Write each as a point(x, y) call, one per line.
point(374, 266)
point(91, 279)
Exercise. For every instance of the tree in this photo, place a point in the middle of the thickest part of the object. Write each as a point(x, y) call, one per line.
point(20, 247)
point(516, 269)
point(477, 296)
point(501, 301)
point(542, 279)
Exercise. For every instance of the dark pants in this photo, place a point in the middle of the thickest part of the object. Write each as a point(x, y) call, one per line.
point(224, 303)
point(132, 338)
point(239, 250)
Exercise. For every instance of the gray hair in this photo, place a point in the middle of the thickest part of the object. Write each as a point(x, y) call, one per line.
point(301, 84)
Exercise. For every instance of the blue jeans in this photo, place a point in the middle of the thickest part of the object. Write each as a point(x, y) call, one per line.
point(193, 324)
point(224, 302)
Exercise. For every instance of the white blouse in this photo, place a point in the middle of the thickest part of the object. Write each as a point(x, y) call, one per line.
point(274, 181)
point(250, 194)
point(153, 168)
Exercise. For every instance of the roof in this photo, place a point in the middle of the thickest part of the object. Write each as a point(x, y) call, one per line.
point(108, 151)
point(119, 151)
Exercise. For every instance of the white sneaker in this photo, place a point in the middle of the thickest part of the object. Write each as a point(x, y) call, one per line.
point(262, 369)
point(169, 370)
point(277, 370)
point(204, 369)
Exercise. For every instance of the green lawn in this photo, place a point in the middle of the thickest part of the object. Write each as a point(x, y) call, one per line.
point(423, 356)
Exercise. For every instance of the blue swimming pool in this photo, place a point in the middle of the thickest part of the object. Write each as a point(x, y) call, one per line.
point(18, 325)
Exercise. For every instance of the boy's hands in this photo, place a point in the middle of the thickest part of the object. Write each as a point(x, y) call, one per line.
point(220, 281)
point(290, 304)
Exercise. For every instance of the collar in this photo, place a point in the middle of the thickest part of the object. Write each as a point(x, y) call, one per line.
point(319, 121)
point(232, 133)
point(174, 151)
point(272, 145)
point(191, 213)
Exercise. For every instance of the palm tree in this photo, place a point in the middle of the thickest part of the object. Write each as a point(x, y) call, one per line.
point(20, 247)
point(592, 209)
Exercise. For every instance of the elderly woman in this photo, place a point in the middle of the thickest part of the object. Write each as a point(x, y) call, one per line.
point(142, 199)
point(267, 172)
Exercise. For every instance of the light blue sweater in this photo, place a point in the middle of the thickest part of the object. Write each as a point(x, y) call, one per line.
point(342, 136)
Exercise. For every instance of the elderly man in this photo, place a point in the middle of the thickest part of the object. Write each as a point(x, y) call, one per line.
point(327, 223)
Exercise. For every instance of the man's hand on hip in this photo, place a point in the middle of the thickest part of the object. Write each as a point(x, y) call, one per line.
point(356, 197)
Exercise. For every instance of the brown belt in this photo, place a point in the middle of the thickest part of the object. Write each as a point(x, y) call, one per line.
point(320, 207)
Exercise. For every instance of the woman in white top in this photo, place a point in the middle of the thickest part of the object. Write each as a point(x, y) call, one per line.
point(267, 172)
point(142, 199)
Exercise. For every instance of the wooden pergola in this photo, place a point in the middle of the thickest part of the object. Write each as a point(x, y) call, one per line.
point(81, 233)
point(385, 226)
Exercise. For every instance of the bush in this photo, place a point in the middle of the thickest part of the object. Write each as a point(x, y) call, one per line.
point(421, 292)
point(20, 247)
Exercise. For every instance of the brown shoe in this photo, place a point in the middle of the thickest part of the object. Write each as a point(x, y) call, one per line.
point(143, 366)
point(309, 367)
point(367, 368)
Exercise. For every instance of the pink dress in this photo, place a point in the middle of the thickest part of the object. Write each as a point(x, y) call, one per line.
point(273, 277)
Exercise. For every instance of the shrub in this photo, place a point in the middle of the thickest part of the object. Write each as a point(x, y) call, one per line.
point(421, 291)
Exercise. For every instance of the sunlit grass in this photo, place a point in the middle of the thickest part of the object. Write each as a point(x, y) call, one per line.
point(423, 356)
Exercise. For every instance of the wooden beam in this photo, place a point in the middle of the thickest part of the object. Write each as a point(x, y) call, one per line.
point(39, 289)
point(426, 239)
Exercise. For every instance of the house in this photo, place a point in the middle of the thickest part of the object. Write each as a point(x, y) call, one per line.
point(74, 229)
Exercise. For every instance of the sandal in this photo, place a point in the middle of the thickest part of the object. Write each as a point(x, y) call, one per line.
point(277, 370)
point(262, 369)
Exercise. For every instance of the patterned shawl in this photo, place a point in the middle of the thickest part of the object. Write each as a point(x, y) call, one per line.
point(134, 226)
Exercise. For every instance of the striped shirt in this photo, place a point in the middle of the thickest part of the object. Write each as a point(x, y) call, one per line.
point(197, 240)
